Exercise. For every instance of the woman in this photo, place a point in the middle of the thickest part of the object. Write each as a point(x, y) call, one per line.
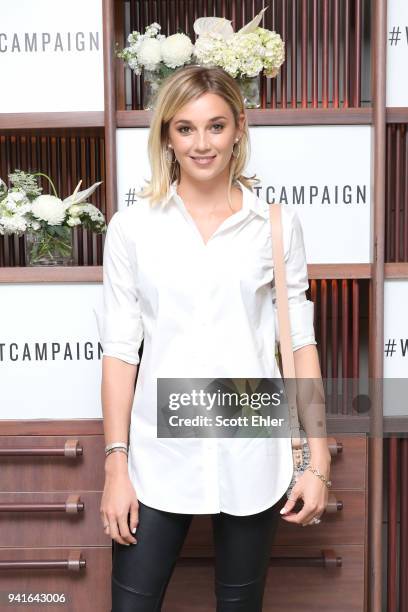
point(188, 270)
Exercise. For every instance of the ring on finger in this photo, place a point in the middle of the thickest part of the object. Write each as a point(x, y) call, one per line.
point(315, 521)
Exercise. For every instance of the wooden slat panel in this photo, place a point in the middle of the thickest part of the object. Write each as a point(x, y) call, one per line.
point(335, 32)
point(396, 212)
point(66, 156)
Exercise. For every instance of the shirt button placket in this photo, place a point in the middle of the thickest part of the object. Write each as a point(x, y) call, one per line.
point(211, 471)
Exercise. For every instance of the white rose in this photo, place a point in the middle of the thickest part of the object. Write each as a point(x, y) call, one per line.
point(49, 208)
point(176, 50)
point(149, 53)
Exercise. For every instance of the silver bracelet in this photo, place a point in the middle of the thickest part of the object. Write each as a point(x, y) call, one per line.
point(116, 450)
point(116, 445)
point(321, 476)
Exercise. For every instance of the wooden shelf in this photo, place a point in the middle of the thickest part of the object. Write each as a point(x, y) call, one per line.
point(31, 121)
point(90, 274)
point(347, 270)
point(93, 274)
point(51, 274)
point(270, 116)
point(396, 270)
point(341, 424)
point(141, 118)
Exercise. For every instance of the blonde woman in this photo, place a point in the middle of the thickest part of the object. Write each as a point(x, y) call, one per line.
point(188, 270)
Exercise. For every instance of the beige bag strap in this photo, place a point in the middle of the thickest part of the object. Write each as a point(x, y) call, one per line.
point(285, 338)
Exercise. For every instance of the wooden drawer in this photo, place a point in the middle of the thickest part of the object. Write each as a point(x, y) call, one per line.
point(297, 579)
point(79, 466)
point(316, 585)
point(346, 526)
point(349, 467)
point(85, 471)
point(85, 588)
point(75, 520)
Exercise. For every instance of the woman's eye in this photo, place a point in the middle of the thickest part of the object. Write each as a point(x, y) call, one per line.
point(185, 127)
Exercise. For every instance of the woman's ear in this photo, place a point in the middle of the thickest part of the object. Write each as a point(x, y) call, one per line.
point(241, 124)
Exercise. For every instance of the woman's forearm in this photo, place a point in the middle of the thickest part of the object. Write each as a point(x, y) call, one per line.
point(117, 393)
point(311, 404)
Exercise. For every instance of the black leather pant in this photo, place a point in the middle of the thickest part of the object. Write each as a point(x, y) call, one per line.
point(141, 572)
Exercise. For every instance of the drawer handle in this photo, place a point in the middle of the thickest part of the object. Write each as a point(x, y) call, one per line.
point(70, 449)
point(335, 447)
point(327, 560)
point(333, 504)
point(74, 563)
point(72, 505)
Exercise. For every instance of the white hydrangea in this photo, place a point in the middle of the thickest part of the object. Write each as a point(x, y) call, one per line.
point(176, 50)
point(49, 208)
point(75, 210)
point(243, 54)
point(274, 55)
point(94, 213)
point(149, 54)
point(72, 221)
point(15, 224)
point(14, 201)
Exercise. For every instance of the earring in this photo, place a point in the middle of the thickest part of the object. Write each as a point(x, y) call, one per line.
point(169, 158)
point(236, 154)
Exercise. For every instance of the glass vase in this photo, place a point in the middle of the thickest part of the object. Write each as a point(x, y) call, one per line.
point(49, 246)
point(250, 88)
point(152, 80)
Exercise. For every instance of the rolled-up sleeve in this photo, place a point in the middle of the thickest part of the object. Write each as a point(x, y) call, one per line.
point(301, 310)
point(121, 327)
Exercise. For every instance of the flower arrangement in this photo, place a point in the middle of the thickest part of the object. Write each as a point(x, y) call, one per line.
point(245, 53)
point(46, 220)
point(156, 52)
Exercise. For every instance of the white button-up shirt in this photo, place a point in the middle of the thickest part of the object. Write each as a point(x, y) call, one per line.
point(203, 310)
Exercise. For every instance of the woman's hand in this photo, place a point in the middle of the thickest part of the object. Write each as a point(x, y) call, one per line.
point(315, 497)
point(118, 499)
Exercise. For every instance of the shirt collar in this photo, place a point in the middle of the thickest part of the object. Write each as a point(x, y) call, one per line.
point(250, 200)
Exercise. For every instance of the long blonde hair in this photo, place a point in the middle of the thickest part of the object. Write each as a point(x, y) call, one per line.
point(185, 84)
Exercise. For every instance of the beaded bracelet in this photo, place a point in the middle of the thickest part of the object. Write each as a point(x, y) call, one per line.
point(321, 476)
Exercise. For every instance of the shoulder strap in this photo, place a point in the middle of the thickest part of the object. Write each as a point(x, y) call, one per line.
point(285, 338)
point(288, 362)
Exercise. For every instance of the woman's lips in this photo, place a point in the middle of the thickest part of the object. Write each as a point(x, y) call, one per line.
point(203, 161)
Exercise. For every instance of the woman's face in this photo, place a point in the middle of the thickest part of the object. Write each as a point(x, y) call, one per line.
point(204, 128)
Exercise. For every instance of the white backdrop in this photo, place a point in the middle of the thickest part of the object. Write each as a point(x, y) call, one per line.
point(51, 56)
point(397, 53)
point(57, 318)
point(395, 347)
point(334, 189)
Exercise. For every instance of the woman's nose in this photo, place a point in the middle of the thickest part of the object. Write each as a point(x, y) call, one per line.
point(201, 141)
